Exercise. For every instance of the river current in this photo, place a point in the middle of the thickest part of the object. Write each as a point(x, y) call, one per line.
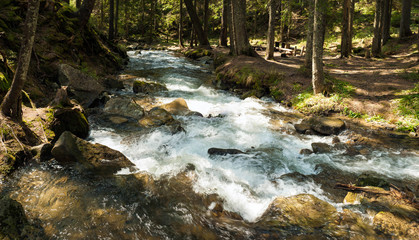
point(72, 206)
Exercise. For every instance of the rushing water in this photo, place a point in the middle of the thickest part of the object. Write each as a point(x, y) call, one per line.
point(245, 183)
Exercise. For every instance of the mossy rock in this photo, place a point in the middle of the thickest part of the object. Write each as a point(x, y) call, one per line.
point(72, 120)
point(7, 162)
point(197, 53)
point(147, 87)
point(302, 211)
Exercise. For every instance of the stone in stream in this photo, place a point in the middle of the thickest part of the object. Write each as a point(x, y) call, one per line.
point(321, 147)
point(179, 107)
point(70, 119)
point(70, 149)
point(157, 117)
point(123, 108)
point(147, 87)
point(326, 125)
point(84, 87)
point(302, 128)
point(221, 151)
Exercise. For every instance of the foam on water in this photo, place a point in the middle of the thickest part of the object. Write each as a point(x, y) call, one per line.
point(247, 182)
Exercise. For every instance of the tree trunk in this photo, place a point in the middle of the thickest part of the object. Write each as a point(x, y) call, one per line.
point(116, 17)
point(102, 14)
point(224, 24)
point(230, 27)
point(308, 63)
point(318, 40)
point(78, 4)
point(12, 102)
point(111, 32)
point(271, 30)
point(196, 23)
point(206, 16)
point(240, 38)
point(180, 23)
point(405, 20)
point(346, 29)
point(387, 20)
point(85, 11)
point(376, 41)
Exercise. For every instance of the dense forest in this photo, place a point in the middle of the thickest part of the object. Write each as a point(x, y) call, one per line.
point(211, 119)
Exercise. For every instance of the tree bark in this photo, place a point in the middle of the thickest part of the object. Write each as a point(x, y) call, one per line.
point(85, 11)
point(346, 29)
point(224, 24)
point(12, 102)
point(378, 29)
point(180, 23)
point(206, 16)
point(387, 20)
point(116, 17)
point(196, 23)
point(78, 4)
point(405, 20)
point(111, 32)
point(308, 61)
point(271, 30)
point(240, 38)
point(318, 40)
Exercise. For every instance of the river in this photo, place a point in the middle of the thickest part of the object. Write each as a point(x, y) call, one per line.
point(72, 206)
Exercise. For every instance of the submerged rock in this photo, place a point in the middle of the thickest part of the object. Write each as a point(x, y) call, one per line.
point(84, 87)
point(72, 120)
point(221, 151)
point(326, 125)
point(147, 87)
point(70, 149)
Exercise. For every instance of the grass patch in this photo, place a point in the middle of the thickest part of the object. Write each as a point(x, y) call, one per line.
point(413, 76)
point(408, 109)
point(339, 87)
point(317, 104)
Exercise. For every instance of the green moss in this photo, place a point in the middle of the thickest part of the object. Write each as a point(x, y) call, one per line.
point(6, 164)
point(197, 53)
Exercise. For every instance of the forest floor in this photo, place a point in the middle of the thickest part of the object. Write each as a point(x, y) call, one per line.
point(373, 87)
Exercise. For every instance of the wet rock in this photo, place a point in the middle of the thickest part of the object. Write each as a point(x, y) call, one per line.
point(147, 87)
point(335, 140)
point(113, 83)
point(326, 126)
point(305, 151)
point(221, 151)
point(124, 107)
point(83, 87)
point(42, 152)
point(72, 120)
point(70, 149)
point(177, 107)
point(13, 221)
point(396, 227)
point(321, 147)
point(301, 211)
point(302, 128)
point(372, 179)
point(157, 117)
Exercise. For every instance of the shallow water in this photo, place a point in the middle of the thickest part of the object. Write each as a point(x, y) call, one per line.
point(71, 205)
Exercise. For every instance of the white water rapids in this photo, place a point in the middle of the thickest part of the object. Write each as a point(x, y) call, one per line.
point(247, 182)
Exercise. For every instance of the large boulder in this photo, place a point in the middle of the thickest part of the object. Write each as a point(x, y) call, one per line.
point(147, 87)
point(70, 119)
point(302, 211)
point(70, 149)
point(321, 147)
point(157, 117)
point(84, 87)
point(326, 125)
point(124, 107)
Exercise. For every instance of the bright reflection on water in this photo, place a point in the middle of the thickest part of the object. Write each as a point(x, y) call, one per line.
point(246, 182)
